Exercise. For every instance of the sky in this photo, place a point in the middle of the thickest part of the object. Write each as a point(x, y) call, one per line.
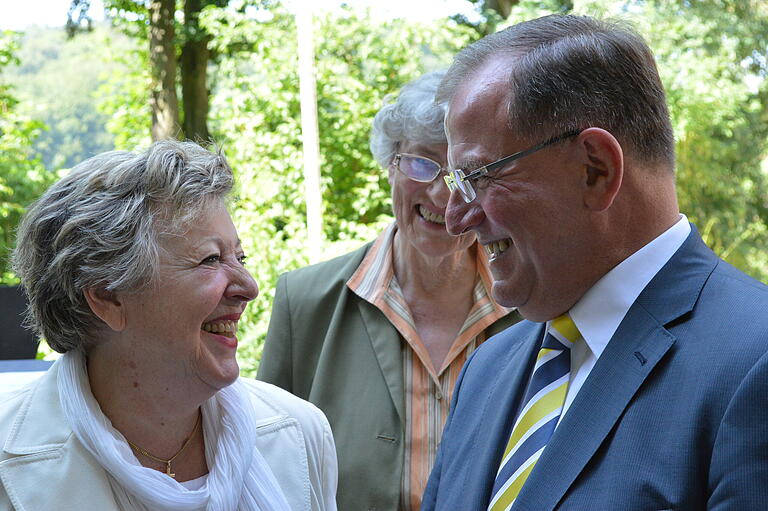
point(17, 15)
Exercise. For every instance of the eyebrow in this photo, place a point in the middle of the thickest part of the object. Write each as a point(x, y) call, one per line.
point(425, 153)
point(219, 240)
point(471, 164)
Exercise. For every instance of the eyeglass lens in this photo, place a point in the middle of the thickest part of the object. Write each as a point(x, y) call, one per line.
point(418, 169)
point(455, 181)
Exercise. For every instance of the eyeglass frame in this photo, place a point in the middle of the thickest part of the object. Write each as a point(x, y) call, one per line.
point(398, 157)
point(453, 177)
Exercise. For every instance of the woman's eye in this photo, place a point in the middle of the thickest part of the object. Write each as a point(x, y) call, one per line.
point(241, 259)
point(211, 259)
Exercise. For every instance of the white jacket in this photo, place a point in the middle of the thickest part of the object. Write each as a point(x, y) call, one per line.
point(44, 467)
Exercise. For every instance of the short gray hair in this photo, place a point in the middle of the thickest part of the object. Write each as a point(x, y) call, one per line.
point(413, 116)
point(99, 227)
point(573, 72)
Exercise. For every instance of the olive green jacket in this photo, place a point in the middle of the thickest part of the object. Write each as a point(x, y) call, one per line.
point(334, 349)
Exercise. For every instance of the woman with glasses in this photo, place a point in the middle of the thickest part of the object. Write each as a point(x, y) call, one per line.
point(376, 338)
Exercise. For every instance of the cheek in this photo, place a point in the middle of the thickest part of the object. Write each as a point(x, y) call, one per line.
point(400, 194)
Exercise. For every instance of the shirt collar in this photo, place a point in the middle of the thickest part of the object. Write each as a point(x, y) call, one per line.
point(599, 312)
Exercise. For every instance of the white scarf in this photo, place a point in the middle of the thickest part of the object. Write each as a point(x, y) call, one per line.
point(239, 478)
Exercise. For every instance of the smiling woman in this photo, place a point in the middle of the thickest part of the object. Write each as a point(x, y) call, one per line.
point(134, 271)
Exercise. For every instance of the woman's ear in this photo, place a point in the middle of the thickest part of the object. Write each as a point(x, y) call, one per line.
point(602, 167)
point(107, 307)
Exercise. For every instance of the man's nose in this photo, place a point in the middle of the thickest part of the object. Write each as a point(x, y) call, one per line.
point(461, 216)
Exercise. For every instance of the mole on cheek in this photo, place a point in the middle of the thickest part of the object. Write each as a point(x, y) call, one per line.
point(135, 385)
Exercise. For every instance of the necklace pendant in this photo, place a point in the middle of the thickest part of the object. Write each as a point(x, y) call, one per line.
point(168, 469)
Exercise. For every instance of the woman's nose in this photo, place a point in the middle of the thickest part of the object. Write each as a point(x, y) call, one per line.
point(243, 286)
point(438, 192)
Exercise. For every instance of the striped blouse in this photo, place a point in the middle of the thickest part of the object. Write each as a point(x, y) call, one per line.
point(427, 389)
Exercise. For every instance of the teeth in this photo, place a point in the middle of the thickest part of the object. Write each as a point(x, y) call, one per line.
point(220, 327)
point(432, 217)
point(496, 248)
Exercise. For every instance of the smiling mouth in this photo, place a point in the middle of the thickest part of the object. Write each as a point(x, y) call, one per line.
point(226, 328)
point(431, 217)
point(496, 248)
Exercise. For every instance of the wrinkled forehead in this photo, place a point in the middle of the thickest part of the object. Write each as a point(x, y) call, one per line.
point(477, 116)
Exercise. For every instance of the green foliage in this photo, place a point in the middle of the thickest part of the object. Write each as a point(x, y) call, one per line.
point(712, 61)
point(22, 176)
point(123, 98)
point(57, 80)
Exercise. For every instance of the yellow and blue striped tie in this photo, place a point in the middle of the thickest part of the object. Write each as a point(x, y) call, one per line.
point(544, 399)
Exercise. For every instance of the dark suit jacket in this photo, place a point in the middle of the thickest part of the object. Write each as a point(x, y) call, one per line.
point(674, 414)
point(331, 347)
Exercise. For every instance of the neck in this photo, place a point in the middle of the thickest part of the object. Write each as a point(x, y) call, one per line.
point(156, 414)
point(423, 277)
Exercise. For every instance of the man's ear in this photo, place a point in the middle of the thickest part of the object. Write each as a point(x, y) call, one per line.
point(602, 168)
point(107, 307)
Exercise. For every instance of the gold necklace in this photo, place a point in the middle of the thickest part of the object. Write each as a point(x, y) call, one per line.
point(169, 460)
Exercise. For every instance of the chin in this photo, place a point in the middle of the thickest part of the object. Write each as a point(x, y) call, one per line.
point(222, 376)
point(502, 295)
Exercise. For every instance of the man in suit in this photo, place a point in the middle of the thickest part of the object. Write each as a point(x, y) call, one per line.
point(640, 379)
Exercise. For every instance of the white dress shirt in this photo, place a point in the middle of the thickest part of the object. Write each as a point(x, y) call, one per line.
point(599, 312)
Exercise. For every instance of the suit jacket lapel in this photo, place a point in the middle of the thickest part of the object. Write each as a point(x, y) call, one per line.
point(639, 343)
point(480, 462)
point(386, 345)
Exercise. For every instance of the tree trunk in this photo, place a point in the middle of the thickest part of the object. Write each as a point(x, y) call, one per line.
point(502, 7)
point(162, 57)
point(194, 74)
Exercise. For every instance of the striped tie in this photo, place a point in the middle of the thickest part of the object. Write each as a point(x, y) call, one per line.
point(544, 401)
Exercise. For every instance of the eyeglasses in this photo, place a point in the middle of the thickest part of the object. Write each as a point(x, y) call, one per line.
point(458, 180)
point(418, 168)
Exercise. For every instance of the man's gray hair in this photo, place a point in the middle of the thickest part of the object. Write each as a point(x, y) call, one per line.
point(572, 72)
point(99, 227)
point(413, 117)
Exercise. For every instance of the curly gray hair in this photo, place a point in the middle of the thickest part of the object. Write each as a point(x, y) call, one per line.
point(413, 116)
point(99, 227)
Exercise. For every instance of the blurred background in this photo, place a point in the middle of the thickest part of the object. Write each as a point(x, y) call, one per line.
point(80, 77)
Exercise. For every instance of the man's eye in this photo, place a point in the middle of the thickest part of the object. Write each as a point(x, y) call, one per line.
point(241, 259)
point(211, 259)
point(482, 181)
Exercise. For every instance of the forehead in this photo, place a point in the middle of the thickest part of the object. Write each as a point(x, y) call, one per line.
point(476, 121)
point(435, 151)
point(213, 225)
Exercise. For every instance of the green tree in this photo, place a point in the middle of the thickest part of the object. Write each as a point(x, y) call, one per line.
point(56, 82)
point(179, 55)
point(22, 176)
